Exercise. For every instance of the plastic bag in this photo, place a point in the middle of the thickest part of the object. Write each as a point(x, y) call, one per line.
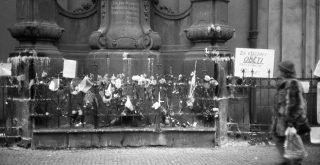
point(293, 145)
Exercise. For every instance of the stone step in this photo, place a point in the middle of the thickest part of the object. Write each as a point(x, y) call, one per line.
point(8, 141)
point(123, 137)
point(9, 136)
point(10, 131)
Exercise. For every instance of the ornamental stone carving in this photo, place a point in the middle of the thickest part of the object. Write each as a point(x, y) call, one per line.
point(207, 32)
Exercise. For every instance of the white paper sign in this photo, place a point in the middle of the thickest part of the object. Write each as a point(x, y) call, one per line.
point(315, 135)
point(318, 102)
point(305, 86)
point(254, 62)
point(316, 71)
point(69, 68)
point(5, 69)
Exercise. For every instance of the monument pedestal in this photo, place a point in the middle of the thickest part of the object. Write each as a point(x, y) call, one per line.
point(125, 42)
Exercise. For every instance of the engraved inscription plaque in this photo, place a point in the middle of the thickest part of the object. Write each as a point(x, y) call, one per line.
point(125, 28)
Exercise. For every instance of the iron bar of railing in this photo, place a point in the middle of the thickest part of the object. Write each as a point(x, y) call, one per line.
point(70, 108)
point(58, 109)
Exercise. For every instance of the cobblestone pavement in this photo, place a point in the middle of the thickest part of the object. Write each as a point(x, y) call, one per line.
point(226, 155)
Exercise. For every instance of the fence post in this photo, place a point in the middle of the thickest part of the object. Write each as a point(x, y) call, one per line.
point(158, 118)
point(95, 103)
point(3, 106)
point(252, 95)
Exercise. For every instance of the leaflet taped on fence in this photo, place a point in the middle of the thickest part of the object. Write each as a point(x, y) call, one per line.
point(254, 63)
point(69, 68)
point(5, 69)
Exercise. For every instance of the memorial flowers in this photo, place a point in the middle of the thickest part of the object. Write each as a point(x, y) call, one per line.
point(135, 98)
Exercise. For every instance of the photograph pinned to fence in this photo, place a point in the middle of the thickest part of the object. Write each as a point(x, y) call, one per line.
point(69, 68)
point(5, 69)
point(257, 63)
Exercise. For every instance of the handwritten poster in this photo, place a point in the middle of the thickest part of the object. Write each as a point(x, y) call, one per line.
point(254, 62)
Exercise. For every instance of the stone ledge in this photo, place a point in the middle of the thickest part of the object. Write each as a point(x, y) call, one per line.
point(123, 137)
point(110, 130)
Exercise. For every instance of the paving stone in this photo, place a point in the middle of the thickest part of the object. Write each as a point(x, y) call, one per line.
point(232, 154)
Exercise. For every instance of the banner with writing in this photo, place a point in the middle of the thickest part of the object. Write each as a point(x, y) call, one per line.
point(254, 63)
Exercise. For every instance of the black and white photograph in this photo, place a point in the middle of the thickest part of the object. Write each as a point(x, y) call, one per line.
point(160, 82)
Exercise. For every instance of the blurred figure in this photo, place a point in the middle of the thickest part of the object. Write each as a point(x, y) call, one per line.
point(289, 108)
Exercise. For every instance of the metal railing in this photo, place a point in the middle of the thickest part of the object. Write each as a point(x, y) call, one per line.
point(253, 102)
point(61, 109)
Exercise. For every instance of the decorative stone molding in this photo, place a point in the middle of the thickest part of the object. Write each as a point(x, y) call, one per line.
point(36, 31)
point(97, 40)
point(83, 11)
point(151, 40)
point(167, 13)
point(211, 32)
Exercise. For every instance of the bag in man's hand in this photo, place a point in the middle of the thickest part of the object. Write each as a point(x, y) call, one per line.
point(293, 145)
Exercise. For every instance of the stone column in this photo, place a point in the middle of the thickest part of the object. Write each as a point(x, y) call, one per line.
point(209, 29)
point(36, 27)
point(36, 32)
point(125, 41)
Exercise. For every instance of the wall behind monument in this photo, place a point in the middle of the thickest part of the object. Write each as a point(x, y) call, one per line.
point(239, 19)
point(290, 27)
point(170, 19)
point(293, 31)
point(7, 18)
point(78, 23)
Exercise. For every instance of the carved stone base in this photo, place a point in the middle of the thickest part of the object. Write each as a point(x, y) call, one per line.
point(37, 35)
point(129, 62)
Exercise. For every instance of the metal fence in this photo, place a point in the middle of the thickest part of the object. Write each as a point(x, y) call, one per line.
point(62, 109)
point(250, 109)
point(252, 102)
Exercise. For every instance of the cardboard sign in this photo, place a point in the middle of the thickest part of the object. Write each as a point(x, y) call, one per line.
point(69, 68)
point(316, 71)
point(5, 69)
point(254, 62)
